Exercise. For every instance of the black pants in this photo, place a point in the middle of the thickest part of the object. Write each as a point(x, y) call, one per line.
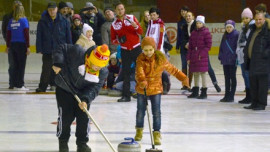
point(17, 61)
point(211, 73)
point(68, 110)
point(127, 58)
point(258, 89)
point(230, 81)
point(110, 80)
point(47, 74)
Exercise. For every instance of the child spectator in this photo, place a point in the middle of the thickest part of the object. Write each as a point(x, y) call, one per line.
point(242, 41)
point(86, 38)
point(200, 43)
point(149, 67)
point(227, 56)
point(113, 71)
point(76, 28)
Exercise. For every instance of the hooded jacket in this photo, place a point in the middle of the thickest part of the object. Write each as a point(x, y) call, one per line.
point(69, 57)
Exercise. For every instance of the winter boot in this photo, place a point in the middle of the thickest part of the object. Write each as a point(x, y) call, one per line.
point(246, 100)
point(139, 134)
point(203, 94)
point(217, 87)
point(157, 138)
point(63, 146)
point(195, 92)
point(83, 147)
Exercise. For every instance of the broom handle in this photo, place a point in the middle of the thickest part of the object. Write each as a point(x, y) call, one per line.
point(149, 121)
point(87, 112)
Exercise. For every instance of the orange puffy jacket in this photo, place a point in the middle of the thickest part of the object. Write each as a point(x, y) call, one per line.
point(149, 71)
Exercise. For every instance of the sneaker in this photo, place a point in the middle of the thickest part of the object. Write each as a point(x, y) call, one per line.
point(23, 88)
point(10, 87)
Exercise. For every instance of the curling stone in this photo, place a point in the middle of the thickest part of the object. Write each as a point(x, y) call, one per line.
point(129, 146)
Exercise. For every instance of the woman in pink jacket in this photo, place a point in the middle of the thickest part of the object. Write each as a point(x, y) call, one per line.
point(200, 43)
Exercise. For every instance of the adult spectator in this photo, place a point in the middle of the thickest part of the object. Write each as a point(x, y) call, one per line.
point(144, 22)
point(183, 11)
point(18, 46)
point(52, 30)
point(125, 30)
point(106, 29)
point(76, 27)
point(5, 22)
point(91, 16)
point(262, 8)
point(63, 10)
point(257, 56)
point(70, 9)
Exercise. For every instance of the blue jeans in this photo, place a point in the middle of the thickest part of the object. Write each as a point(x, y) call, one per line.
point(141, 108)
point(245, 75)
point(119, 86)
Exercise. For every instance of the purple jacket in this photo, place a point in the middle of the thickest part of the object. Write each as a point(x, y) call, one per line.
point(200, 43)
point(227, 56)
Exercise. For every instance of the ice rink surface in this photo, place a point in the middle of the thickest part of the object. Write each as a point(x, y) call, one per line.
point(27, 121)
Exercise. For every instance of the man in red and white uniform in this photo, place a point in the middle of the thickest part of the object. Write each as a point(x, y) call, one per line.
point(125, 30)
point(156, 28)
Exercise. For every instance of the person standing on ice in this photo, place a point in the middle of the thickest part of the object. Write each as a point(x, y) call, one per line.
point(150, 65)
point(200, 43)
point(86, 73)
point(228, 58)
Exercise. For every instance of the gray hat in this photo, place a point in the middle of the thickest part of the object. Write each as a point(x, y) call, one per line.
point(89, 4)
point(69, 4)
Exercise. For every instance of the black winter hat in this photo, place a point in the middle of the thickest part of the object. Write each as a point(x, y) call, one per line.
point(62, 5)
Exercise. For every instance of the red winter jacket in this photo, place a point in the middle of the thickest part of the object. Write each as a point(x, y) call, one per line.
point(120, 28)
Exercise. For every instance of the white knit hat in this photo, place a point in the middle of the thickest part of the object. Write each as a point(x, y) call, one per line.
point(201, 19)
point(86, 28)
point(113, 56)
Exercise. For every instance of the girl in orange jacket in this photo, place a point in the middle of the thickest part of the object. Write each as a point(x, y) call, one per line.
point(149, 67)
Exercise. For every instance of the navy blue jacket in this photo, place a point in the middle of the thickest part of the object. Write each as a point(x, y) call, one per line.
point(179, 32)
point(185, 36)
point(51, 33)
point(69, 57)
